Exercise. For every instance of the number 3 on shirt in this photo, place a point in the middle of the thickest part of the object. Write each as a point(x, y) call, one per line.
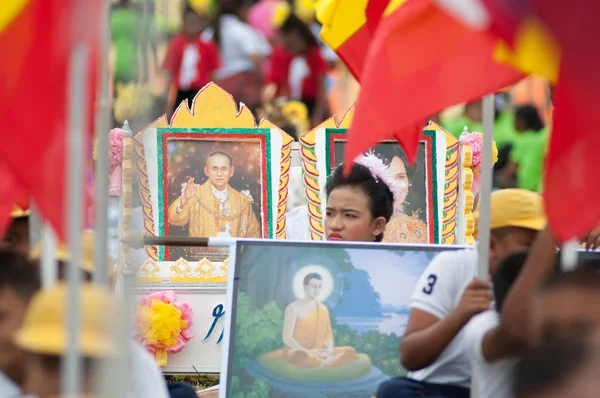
point(431, 279)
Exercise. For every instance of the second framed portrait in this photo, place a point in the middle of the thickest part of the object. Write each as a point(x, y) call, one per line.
point(426, 207)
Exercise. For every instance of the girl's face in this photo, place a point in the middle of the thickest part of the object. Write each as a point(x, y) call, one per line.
point(348, 216)
point(398, 169)
point(193, 25)
point(293, 42)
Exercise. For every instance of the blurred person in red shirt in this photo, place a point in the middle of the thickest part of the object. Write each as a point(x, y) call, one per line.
point(242, 49)
point(190, 61)
point(298, 68)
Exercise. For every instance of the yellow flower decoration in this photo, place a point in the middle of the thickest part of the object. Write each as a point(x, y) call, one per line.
point(305, 10)
point(202, 7)
point(132, 100)
point(281, 12)
point(162, 327)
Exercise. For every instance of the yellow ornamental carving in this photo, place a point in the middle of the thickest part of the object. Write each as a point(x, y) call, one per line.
point(149, 272)
point(204, 271)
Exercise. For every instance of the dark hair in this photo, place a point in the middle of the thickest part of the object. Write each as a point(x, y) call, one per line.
point(550, 365)
point(295, 24)
point(381, 199)
point(188, 9)
point(506, 274)
point(226, 7)
point(219, 153)
point(388, 152)
point(530, 116)
point(19, 274)
point(312, 275)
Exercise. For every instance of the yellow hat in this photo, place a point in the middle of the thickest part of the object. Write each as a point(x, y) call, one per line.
point(305, 10)
point(516, 208)
point(87, 256)
point(19, 212)
point(44, 328)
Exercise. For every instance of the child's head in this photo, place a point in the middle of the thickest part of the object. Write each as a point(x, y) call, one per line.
point(239, 8)
point(474, 111)
point(506, 274)
point(358, 205)
point(527, 118)
point(566, 367)
point(193, 23)
point(517, 217)
point(296, 35)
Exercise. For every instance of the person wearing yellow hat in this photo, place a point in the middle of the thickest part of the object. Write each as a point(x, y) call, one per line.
point(17, 234)
point(448, 295)
point(145, 379)
point(44, 337)
point(63, 256)
point(18, 283)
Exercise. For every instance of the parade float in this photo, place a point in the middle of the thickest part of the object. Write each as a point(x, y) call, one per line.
point(184, 294)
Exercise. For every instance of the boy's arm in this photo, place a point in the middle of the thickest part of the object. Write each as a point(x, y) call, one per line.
point(433, 321)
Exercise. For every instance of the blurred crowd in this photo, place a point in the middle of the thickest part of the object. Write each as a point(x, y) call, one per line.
point(265, 53)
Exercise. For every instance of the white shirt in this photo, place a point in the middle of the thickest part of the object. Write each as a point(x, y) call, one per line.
point(438, 292)
point(8, 389)
point(239, 41)
point(296, 224)
point(494, 379)
point(146, 379)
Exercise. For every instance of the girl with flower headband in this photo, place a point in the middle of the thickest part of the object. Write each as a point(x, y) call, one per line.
point(360, 204)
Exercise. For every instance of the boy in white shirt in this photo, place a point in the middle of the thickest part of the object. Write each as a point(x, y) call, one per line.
point(448, 296)
point(494, 378)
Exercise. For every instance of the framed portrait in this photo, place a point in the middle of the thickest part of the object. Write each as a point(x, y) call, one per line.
point(318, 319)
point(212, 183)
point(426, 211)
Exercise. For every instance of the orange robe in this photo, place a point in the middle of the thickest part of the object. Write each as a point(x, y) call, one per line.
point(312, 332)
point(205, 219)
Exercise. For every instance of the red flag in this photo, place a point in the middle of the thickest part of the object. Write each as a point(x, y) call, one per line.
point(571, 188)
point(37, 38)
point(421, 61)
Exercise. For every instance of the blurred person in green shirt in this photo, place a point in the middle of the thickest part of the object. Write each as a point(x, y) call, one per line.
point(125, 27)
point(526, 160)
point(471, 117)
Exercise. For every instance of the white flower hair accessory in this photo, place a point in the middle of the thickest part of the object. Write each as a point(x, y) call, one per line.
point(379, 171)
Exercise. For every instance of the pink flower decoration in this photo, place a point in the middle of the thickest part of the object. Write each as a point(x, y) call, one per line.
point(116, 137)
point(162, 324)
point(475, 142)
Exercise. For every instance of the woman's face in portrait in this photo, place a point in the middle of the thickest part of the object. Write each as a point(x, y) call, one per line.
point(398, 169)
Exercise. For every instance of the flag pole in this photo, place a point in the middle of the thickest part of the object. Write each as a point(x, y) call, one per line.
point(485, 192)
point(48, 265)
point(101, 275)
point(484, 203)
point(71, 370)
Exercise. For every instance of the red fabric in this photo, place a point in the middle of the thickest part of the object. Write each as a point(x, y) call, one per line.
point(352, 52)
point(374, 12)
point(12, 195)
point(208, 62)
point(420, 62)
point(34, 87)
point(570, 185)
point(281, 61)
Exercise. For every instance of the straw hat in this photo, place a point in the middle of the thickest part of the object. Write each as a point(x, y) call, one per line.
point(44, 329)
point(87, 253)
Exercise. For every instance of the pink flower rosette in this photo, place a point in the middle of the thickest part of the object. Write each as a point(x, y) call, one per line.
point(475, 143)
point(116, 137)
point(162, 324)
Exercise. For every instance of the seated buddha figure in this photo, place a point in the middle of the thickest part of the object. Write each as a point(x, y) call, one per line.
point(307, 333)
